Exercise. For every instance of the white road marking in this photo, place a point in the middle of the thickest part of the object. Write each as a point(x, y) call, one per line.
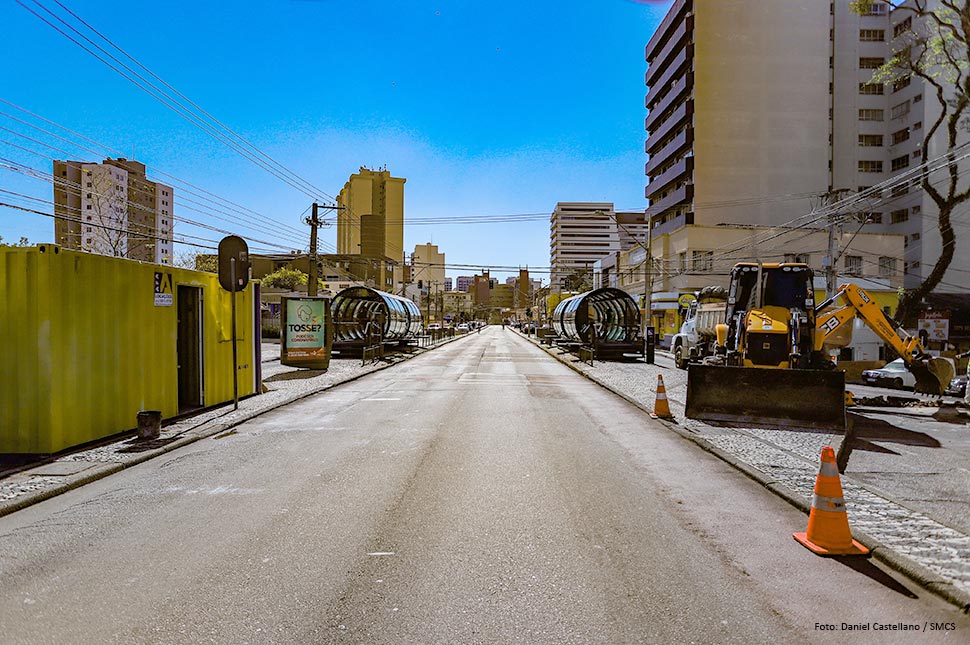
point(380, 553)
point(380, 399)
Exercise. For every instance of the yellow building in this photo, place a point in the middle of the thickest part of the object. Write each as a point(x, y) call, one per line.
point(370, 220)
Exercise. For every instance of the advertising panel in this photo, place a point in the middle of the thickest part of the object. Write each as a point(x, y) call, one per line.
point(306, 334)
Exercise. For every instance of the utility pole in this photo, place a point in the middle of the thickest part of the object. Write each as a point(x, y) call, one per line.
point(647, 286)
point(314, 222)
point(835, 238)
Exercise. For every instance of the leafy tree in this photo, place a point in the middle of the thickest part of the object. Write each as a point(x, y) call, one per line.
point(285, 278)
point(936, 50)
point(23, 242)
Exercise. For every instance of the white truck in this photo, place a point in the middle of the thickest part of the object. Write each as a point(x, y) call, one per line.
point(698, 336)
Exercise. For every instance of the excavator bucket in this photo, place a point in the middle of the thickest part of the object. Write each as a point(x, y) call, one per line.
point(773, 397)
point(933, 375)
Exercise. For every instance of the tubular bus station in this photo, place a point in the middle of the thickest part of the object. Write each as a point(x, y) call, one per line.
point(607, 320)
point(363, 316)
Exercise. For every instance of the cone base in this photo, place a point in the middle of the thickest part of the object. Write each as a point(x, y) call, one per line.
point(854, 549)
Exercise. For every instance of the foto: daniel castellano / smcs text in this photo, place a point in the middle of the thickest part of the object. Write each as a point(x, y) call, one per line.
point(886, 627)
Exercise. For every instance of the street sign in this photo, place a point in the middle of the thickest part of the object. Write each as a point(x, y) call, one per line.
point(231, 248)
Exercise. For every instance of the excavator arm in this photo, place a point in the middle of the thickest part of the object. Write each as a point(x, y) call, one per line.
point(932, 374)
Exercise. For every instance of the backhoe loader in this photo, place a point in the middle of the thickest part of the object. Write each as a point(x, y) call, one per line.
point(771, 365)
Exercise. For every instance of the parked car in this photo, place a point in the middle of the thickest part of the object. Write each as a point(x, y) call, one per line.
point(958, 386)
point(893, 374)
point(434, 327)
point(462, 327)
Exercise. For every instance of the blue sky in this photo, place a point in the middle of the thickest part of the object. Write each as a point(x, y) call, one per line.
point(487, 108)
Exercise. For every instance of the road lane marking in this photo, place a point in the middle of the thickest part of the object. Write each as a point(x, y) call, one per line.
point(380, 399)
point(381, 553)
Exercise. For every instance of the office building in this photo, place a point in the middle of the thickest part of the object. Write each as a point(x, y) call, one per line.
point(580, 234)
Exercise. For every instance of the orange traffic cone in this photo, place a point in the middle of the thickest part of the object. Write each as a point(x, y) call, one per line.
point(660, 407)
point(828, 524)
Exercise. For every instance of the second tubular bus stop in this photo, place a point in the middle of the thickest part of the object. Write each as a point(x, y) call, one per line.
point(606, 320)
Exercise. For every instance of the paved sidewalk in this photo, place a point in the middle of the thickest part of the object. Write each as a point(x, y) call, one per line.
point(23, 487)
point(934, 554)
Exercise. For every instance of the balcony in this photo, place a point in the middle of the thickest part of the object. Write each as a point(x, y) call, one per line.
point(682, 195)
point(683, 167)
point(669, 21)
point(682, 60)
point(674, 121)
point(681, 85)
point(675, 42)
point(678, 143)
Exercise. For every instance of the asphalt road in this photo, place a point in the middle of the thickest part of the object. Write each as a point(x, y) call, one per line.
point(480, 493)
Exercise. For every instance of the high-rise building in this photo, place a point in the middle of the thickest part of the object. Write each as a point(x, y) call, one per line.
point(464, 282)
point(448, 284)
point(370, 220)
point(759, 111)
point(580, 234)
point(112, 208)
point(428, 266)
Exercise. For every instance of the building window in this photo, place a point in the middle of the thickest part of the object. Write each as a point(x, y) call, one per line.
point(870, 140)
point(870, 165)
point(89, 206)
point(871, 62)
point(900, 135)
point(683, 262)
point(917, 125)
point(917, 154)
point(872, 35)
point(853, 264)
point(900, 162)
point(873, 218)
point(802, 258)
point(902, 27)
point(887, 267)
point(916, 209)
point(702, 261)
point(871, 115)
point(899, 216)
point(901, 83)
point(899, 111)
point(917, 98)
point(877, 9)
point(915, 237)
point(876, 89)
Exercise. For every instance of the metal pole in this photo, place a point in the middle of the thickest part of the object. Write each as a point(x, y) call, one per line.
point(235, 369)
point(314, 222)
point(831, 276)
point(647, 285)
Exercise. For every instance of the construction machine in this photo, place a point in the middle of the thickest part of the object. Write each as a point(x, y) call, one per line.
point(771, 364)
point(834, 318)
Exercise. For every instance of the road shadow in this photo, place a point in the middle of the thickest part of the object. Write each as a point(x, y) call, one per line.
point(863, 428)
point(143, 445)
point(296, 375)
point(868, 569)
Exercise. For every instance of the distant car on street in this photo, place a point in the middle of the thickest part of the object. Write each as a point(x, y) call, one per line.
point(462, 327)
point(958, 386)
point(893, 374)
point(434, 327)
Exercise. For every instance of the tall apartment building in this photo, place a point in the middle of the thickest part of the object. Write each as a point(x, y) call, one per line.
point(112, 208)
point(758, 109)
point(370, 220)
point(580, 234)
point(428, 265)
point(464, 282)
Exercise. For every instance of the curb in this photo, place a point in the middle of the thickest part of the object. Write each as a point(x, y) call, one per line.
point(913, 570)
point(197, 434)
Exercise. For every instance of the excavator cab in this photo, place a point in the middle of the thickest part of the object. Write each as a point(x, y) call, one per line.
point(766, 370)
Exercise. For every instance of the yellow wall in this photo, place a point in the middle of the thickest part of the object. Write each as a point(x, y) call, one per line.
point(86, 348)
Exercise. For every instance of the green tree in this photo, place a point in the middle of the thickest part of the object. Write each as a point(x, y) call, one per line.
point(285, 278)
point(23, 242)
point(934, 49)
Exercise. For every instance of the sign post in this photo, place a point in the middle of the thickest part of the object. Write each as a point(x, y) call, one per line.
point(233, 276)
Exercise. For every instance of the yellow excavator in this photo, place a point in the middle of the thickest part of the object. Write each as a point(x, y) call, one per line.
point(771, 364)
point(932, 374)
